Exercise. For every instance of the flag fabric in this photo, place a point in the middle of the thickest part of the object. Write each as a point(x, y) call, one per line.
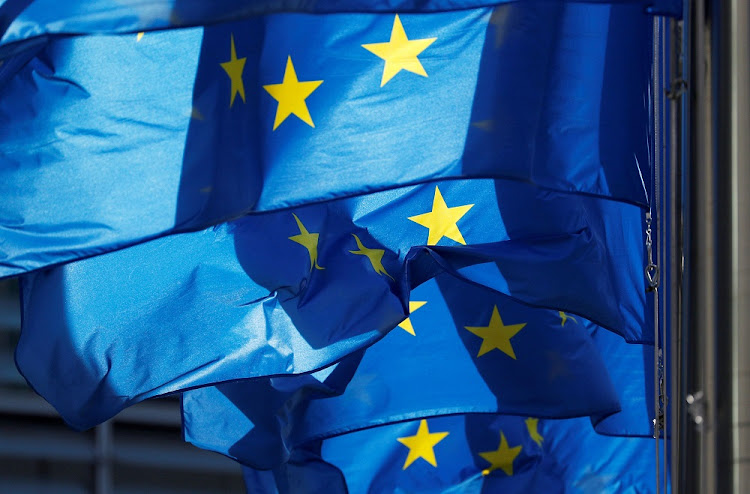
point(25, 22)
point(631, 368)
point(475, 453)
point(292, 291)
point(623, 306)
point(116, 139)
point(463, 349)
point(275, 187)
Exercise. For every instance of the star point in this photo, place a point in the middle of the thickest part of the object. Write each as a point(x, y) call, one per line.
point(422, 445)
point(234, 68)
point(406, 323)
point(400, 52)
point(532, 425)
point(291, 94)
point(564, 318)
point(496, 335)
point(375, 256)
point(442, 221)
point(309, 241)
point(502, 458)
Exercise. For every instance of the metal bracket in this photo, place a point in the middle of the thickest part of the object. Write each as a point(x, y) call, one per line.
point(652, 270)
point(677, 89)
point(696, 407)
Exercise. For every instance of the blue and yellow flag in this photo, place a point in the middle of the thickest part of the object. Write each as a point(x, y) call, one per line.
point(111, 140)
point(631, 368)
point(28, 22)
point(479, 453)
point(292, 291)
point(464, 349)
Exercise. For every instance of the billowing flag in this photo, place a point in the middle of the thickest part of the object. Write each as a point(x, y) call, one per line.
point(111, 140)
point(631, 368)
point(463, 349)
point(479, 453)
point(293, 291)
point(27, 22)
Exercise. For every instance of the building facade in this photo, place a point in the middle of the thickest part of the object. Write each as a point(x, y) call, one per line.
point(140, 451)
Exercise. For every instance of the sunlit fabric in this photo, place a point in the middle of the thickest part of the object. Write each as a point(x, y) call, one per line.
point(292, 291)
point(111, 140)
point(24, 21)
point(631, 368)
point(463, 349)
point(473, 454)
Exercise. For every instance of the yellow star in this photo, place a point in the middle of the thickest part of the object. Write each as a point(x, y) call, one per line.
point(501, 458)
point(496, 335)
point(139, 36)
point(307, 240)
point(532, 425)
point(374, 255)
point(406, 323)
point(441, 221)
point(422, 444)
point(400, 52)
point(564, 318)
point(234, 68)
point(291, 95)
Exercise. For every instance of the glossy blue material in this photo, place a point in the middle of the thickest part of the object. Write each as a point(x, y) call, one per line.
point(243, 300)
point(25, 20)
point(557, 372)
point(569, 457)
point(631, 368)
point(108, 141)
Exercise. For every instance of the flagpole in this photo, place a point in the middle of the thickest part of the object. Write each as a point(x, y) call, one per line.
point(696, 454)
point(716, 330)
point(732, 31)
point(675, 240)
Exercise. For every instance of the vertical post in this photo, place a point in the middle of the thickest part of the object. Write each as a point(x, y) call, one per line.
point(732, 33)
point(717, 339)
point(103, 466)
point(673, 254)
point(655, 214)
point(697, 394)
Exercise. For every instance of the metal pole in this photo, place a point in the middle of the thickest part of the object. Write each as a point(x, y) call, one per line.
point(103, 469)
point(733, 243)
point(716, 341)
point(654, 210)
point(697, 395)
point(673, 253)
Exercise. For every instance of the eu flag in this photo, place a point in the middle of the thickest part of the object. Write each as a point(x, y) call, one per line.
point(292, 291)
point(463, 349)
point(472, 453)
point(631, 368)
point(24, 22)
point(112, 140)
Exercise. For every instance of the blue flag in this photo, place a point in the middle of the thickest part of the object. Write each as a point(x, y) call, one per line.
point(112, 140)
point(466, 454)
point(293, 291)
point(631, 368)
point(24, 22)
point(463, 349)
